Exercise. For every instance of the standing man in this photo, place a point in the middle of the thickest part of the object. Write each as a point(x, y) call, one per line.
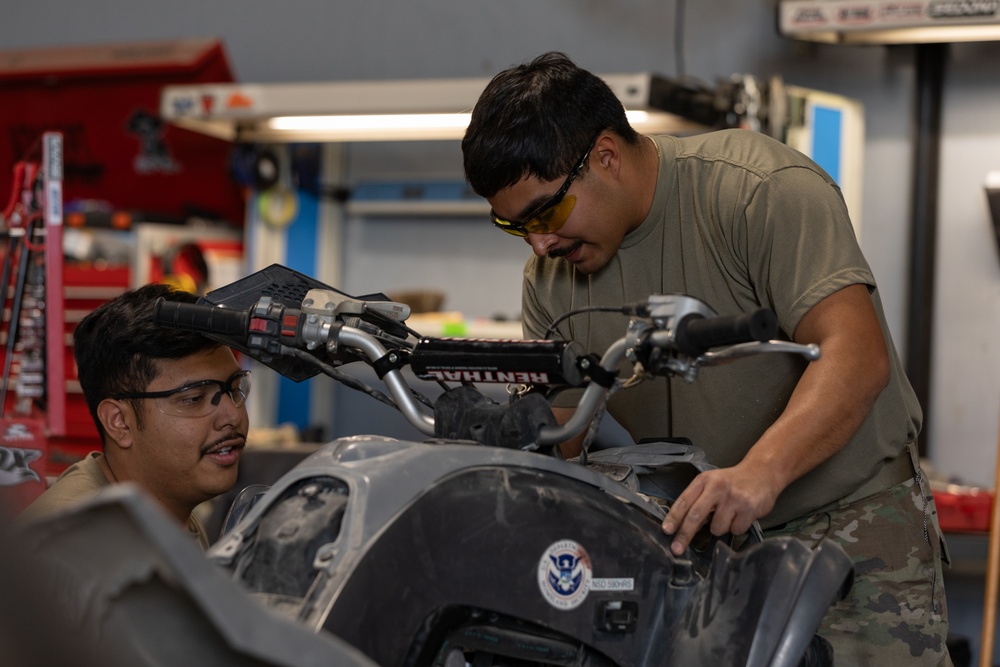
point(819, 450)
point(170, 407)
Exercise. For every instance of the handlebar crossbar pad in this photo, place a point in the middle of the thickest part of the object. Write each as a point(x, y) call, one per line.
point(503, 361)
point(697, 334)
point(225, 322)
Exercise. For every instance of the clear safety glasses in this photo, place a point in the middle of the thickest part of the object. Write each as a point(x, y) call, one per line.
point(198, 399)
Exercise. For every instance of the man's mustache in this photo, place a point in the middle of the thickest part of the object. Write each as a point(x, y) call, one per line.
point(562, 252)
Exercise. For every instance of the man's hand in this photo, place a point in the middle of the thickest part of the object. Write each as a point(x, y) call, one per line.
point(733, 498)
point(830, 401)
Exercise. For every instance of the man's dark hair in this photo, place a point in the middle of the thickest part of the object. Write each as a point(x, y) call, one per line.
point(535, 120)
point(117, 345)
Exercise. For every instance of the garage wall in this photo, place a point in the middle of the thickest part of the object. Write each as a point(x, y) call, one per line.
point(301, 40)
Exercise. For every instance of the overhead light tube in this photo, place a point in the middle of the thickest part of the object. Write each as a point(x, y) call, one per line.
point(344, 123)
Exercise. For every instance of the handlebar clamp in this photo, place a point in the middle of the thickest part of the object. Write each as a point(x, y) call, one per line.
point(590, 366)
point(391, 361)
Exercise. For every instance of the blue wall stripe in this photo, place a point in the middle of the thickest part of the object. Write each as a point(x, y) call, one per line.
point(301, 251)
point(300, 254)
point(826, 140)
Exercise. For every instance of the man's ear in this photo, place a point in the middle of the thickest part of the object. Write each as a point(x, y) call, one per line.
point(609, 152)
point(118, 420)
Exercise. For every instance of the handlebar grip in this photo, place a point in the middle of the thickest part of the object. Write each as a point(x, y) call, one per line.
point(202, 318)
point(696, 334)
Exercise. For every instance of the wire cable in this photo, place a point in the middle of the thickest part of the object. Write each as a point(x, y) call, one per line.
point(626, 310)
point(679, 37)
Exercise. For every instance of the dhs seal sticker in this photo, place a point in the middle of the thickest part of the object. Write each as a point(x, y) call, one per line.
point(564, 574)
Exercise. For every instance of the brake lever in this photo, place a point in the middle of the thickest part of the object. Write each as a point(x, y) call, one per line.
point(732, 353)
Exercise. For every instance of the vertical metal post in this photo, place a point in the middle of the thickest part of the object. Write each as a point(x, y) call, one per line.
point(930, 60)
point(55, 339)
point(992, 572)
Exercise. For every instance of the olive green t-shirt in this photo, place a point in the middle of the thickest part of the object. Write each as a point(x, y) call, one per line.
point(740, 221)
point(81, 481)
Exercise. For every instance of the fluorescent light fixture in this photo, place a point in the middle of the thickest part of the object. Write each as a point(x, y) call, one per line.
point(879, 22)
point(388, 122)
point(906, 35)
point(393, 123)
point(368, 110)
point(371, 127)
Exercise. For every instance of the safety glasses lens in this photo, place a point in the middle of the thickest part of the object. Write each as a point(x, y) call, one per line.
point(547, 221)
point(202, 399)
point(507, 226)
point(553, 218)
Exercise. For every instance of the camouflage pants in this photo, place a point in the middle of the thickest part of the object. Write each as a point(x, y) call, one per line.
point(895, 613)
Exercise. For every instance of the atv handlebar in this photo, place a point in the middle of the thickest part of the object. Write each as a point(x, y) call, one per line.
point(201, 318)
point(696, 334)
point(675, 335)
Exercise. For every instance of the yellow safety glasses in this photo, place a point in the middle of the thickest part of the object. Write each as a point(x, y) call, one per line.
point(551, 215)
